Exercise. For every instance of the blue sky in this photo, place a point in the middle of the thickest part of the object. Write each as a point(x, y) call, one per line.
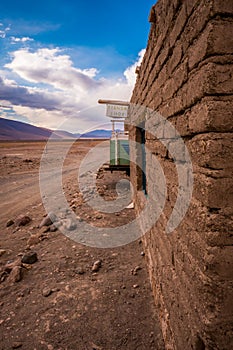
point(57, 58)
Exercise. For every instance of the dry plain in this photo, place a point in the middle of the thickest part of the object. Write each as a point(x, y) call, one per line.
point(59, 302)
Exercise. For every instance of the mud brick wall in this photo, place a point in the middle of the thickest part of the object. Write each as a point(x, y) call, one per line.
point(187, 76)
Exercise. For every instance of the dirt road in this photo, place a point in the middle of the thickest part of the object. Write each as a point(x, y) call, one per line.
point(59, 302)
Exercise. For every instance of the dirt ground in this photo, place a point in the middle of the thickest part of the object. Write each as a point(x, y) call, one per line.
point(59, 302)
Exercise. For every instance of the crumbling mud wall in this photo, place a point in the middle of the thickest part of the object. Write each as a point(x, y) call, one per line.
point(187, 76)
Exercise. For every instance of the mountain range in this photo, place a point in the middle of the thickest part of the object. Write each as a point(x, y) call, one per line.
point(11, 130)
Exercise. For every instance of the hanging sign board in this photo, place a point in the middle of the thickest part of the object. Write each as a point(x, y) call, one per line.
point(117, 111)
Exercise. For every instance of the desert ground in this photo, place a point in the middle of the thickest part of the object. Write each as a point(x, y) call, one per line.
point(61, 299)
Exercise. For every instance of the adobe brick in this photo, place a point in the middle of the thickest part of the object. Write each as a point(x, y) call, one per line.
point(175, 58)
point(155, 100)
point(220, 237)
point(196, 23)
point(169, 89)
point(212, 151)
point(221, 38)
point(198, 51)
point(212, 192)
point(158, 48)
point(191, 5)
point(220, 79)
point(156, 147)
point(209, 79)
point(207, 222)
point(162, 57)
point(175, 82)
point(222, 7)
point(181, 124)
point(159, 79)
point(178, 25)
point(171, 107)
point(211, 114)
point(221, 263)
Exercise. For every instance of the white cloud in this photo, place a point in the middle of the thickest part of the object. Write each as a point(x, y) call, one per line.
point(130, 71)
point(3, 31)
point(22, 40)
point(51, 67)
point(2, 34)
point(56, 91)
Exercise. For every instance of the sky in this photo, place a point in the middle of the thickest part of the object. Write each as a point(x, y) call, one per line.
point(57, 58)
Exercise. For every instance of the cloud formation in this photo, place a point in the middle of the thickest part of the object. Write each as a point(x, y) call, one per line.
point(22, 40)
point(23, 96)
point(53, 89)
point(3, 30)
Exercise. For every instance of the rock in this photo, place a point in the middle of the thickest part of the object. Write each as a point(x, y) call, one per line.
point(96, 266)
point(23, 293)
point(29, 258)
point(15, 275)
point(52, 216)
point(46, 292)
point(17, 345)
point(70, 225)
point(142, 254)
point(2, 252)
point(135, 270)
point(10, 223)
point(34, 239)
point(48, 220)
point(58, 223)
point(11, 264)
point(22, 220)
point(80, 271)
point(53, 228)
point(135, 286)
point(95, 347)
point(3, 276)
point(99, 216)
point(79, 219)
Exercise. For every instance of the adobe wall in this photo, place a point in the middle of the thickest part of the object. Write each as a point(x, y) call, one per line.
point(187, 76)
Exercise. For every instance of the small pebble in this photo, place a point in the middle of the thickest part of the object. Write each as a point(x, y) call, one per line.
point(96, 266)
point(46, 292)
point(29, 258)
point(80, 271)
point(22, 220)
point(53, 228)
point(2, 252)
point(9, 223)
point(16, 345)
point(99, 216)
point(15, 274)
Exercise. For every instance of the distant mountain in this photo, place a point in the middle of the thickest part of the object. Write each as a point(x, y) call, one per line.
point(14, 130)
point(63, 134)
point(11, 130)
point(104, 134)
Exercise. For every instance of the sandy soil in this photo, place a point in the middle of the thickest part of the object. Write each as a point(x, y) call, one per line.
point(58, 302)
